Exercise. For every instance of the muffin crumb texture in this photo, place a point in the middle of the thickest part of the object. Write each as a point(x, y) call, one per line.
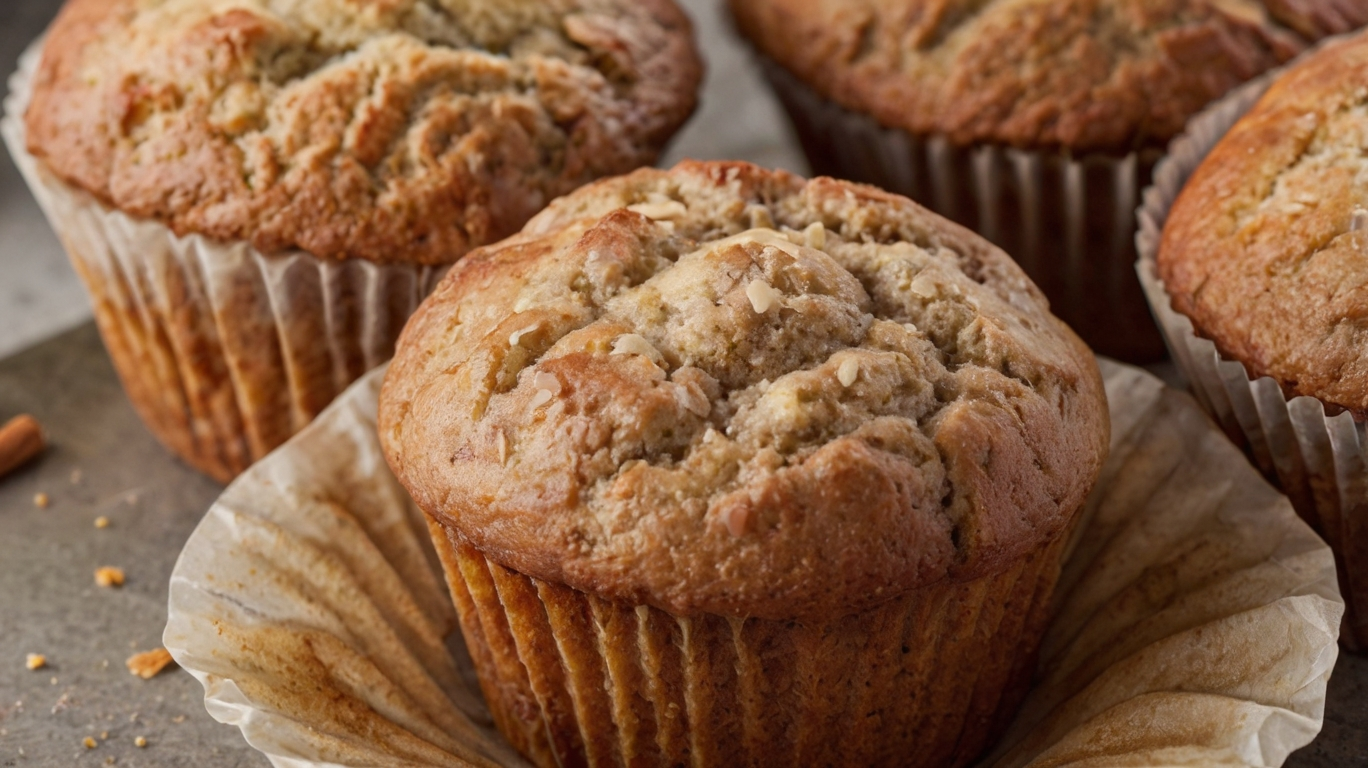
point(738, 392)
point(400, 130)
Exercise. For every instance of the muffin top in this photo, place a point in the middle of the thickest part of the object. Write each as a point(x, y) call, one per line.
point(725, 389)
point(1266, 248)
point(390, 130)
point(1081, 75)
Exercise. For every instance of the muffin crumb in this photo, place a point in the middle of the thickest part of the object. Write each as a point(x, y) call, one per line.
point(35, 661)
point(89, 742)
point(149, 663)
point(762, 296)
point(41, 501)
point(101, 522)
point(109, 576)
point(140, 742)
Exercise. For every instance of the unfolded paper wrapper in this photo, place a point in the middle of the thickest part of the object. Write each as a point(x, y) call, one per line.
point(1319, 456)
point(1196, 623)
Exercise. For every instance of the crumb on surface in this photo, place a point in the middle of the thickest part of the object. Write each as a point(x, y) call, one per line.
point(141, 741)
point(89, 743)
point(41, 500)
point(35, 661)
point(109, 576)
point(101, 522)
point(178, 719)
point(148, 663)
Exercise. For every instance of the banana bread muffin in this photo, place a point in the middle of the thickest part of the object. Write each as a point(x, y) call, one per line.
point(258, 194)
point(1264, 252)
point(733, 468)
point(1035, 122)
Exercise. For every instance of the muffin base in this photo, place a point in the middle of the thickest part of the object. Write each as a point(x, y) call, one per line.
point(1316, 454)
point(1069, 222)
point(224, 351)
point(927, 679)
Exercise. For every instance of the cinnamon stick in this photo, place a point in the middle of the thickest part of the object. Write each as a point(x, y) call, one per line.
point(21, 439)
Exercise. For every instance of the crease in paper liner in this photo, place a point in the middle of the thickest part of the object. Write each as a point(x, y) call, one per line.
point(1319, 460)
point(226, 351)
point(1195, 624)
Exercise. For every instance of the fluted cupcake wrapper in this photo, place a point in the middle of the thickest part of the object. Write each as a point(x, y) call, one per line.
point(1317, 457)
point(1068, 221)
point(926, 679)
point(225, 351)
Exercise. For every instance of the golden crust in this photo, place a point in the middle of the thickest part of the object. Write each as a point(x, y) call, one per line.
point(402, 130)
point(1261, 249)
point(725, 389)
point(1078, 75)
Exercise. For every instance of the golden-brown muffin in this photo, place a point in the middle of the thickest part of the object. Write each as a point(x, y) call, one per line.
point(751, 447)
point(1264, 249)
point(258, 194)
point(1080, 75)
point(392, 131)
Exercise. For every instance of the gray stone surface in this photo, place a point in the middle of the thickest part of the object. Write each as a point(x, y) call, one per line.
point(101, 462)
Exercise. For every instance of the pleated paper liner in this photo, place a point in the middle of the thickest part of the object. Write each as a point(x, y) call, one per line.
point(224, 351)
point(1318, 456)
point(1068, 221)
point(576, 680)
point(1194, 622)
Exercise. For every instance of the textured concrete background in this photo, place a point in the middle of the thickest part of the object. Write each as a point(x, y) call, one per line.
point(104, 463)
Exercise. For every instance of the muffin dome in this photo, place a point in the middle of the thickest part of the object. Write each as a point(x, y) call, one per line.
point(725, 389)
point(1083, 75)
point(404, 130)
point(1264, 249)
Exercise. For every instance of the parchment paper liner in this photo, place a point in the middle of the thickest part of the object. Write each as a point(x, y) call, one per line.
point(1196, 615)
point(1317, 459)
point(1069, 221)
point(224, 351)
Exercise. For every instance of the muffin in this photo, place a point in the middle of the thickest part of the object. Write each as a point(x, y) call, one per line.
point(1262, 254)
point(1036, 123)
point(258, 194)
point(731, 468)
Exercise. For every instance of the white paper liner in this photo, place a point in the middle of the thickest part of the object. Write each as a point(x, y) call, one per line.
point(1318, 460)
point(225, 351)
point(1197, 613)
point(1068, 221)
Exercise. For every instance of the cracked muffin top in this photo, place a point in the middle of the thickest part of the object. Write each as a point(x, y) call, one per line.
point(390, 130)
point(1266, 248)
point(725, 389)
point(1082, 75)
